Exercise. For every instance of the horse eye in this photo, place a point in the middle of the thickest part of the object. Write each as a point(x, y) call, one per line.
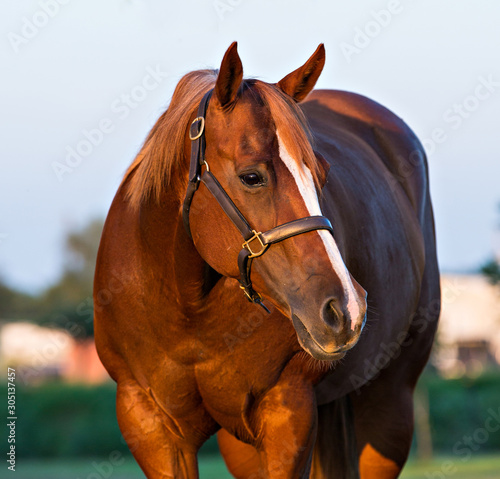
point(251, 179)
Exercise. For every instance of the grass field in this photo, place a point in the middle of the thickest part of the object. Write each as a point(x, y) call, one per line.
point(480, 467)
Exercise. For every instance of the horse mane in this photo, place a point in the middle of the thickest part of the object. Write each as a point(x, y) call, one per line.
point(151, 173)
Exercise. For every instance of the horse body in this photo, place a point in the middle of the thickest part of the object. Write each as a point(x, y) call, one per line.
point(191, 356)
point(375, 197)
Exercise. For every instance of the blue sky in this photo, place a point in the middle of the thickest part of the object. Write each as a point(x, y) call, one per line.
point(81, 72)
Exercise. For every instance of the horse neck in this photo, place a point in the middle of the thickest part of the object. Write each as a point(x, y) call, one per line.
point(173, 255)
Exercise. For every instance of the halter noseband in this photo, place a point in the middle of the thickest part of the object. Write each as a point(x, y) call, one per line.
point(255, 243)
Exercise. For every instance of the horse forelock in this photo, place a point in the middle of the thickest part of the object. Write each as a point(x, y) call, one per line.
point(151, 172)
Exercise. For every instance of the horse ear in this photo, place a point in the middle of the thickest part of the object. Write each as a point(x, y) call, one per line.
point(300, 82)
point(230, 76)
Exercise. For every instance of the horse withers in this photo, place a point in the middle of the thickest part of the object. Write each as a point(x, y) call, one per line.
point(278, 281)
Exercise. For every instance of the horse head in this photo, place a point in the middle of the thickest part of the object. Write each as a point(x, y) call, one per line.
point(256, 145)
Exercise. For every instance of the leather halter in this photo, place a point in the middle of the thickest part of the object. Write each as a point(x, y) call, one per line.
point(256, 243)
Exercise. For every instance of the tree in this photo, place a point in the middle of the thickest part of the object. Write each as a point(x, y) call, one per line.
point(68, 303)
point(15, 305)
point(491, 269)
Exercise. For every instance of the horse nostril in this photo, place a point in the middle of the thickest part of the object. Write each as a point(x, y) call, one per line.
point(332, 316)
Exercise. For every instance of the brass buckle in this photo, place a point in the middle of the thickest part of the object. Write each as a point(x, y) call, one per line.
point(257, 299)
point(253, 299)
point(200, 130)
point(246, 293)
point(263, 247)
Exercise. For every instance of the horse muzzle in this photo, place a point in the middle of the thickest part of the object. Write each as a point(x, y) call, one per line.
point(331, 333)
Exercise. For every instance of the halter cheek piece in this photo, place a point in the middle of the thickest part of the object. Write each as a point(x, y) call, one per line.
point(255, 243)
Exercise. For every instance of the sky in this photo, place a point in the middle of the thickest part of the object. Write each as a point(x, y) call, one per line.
point(84, 82)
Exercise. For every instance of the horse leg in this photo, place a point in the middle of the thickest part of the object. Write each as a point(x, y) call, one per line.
point(284, 423)
point(383, 409)
point(287, 421)
point(335, 451)
point(242, 460)
point(155, 438)
point(383, 421)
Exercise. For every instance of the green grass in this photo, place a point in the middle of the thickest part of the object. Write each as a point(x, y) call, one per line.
point(480, 467)
point(123, 468)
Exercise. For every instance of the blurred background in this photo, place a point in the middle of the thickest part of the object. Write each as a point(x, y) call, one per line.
point(83, 83)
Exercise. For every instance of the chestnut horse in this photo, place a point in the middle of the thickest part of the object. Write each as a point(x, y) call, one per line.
point(328, 193)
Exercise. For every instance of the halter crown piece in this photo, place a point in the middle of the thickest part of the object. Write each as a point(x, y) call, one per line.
point(255, 243)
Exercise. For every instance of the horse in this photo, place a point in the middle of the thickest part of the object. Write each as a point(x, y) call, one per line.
point(267, 272)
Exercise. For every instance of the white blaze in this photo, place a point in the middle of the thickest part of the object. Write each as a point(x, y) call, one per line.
point(305, 184)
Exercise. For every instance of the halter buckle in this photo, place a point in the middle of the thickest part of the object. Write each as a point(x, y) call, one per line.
point(199, 130)
point(256, 237)
point(256, 299)
point(247, 294)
